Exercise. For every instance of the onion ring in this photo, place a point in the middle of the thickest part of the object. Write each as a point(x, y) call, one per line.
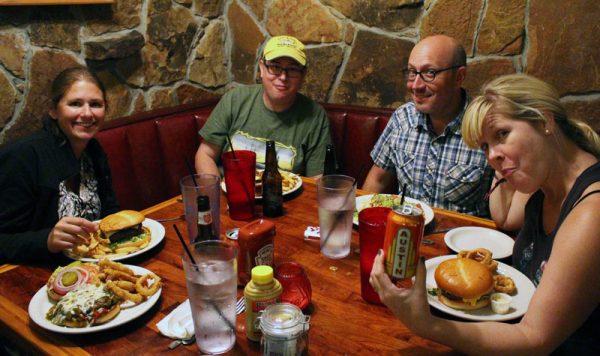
point(504, 284)
point(106, 263)
point(112, 275)
point(481, 255)
point(124, 294)
point(140, 284)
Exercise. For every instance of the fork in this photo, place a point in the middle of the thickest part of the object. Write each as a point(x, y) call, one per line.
point(240, 306)
point(178, 342)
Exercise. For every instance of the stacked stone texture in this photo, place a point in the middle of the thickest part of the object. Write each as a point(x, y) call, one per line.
point(159, 53)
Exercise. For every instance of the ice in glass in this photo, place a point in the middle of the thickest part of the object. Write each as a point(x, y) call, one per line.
point(212, 287)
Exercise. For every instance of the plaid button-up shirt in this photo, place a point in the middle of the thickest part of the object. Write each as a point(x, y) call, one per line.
point(439, 170)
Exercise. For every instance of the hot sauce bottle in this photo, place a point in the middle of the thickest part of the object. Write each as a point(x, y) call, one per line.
point(256, 247)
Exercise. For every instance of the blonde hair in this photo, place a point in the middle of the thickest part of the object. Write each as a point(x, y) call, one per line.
point(523, 97)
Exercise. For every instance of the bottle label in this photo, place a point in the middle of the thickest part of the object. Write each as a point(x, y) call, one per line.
point(255, 307)
point(264, 256)
point(204, 218)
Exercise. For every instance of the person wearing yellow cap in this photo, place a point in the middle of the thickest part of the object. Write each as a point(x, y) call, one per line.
point(274, 110)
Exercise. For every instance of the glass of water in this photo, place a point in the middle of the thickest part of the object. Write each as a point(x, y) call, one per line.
point(336, 199)
point(212, 286)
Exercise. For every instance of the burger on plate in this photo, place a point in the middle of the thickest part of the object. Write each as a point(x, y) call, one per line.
point(67, 278)
point(464, 284)
point(124, 229)
point(84, 306)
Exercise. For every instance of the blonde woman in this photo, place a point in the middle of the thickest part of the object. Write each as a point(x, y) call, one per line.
point(542, 154)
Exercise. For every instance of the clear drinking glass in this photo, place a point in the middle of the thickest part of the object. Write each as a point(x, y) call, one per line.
point(207, 184)
point(336, 198)
point(212, 287)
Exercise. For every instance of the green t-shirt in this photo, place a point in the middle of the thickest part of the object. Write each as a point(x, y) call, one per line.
point(301, 133)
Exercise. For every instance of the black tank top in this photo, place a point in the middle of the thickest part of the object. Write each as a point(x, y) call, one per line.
point(532, 249)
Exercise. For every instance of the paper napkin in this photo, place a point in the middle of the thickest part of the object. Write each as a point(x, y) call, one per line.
point(178, 324)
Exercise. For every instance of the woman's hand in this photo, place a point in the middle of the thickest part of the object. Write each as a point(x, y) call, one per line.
point(408, 304)
point(69, 232)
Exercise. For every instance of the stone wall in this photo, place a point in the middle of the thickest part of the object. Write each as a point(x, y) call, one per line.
point(159, 53)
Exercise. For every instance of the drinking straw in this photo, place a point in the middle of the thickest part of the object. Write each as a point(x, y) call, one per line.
point(231, 146)
point(231, 326)
point(402, 196)
point(192, 173)
point(185, 247)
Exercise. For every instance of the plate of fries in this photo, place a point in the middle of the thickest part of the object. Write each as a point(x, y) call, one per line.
point(98, 248)
point(290, 183)
point(133, 305)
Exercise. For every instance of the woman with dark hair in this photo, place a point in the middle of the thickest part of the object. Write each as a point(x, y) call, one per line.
point(55, 182)
point(550, 164)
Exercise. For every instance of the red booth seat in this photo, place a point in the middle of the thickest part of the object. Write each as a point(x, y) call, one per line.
point(147, 151)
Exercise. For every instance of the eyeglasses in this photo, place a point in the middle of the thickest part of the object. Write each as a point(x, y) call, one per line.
point(427, 75)
point(292, 72)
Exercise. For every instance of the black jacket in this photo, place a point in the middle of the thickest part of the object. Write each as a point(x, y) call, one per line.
point(31, 170)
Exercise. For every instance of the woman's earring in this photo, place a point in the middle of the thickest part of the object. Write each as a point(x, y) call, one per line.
point(547, 132)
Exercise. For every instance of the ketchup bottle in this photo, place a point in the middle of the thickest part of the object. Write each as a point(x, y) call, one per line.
point(256, 247)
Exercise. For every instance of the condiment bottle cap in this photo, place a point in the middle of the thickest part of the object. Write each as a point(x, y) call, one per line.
point(262, 274)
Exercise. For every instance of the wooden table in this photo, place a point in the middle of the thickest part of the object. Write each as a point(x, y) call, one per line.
point(341, 322)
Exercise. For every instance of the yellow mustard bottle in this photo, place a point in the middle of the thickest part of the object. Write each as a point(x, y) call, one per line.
point(262, 291)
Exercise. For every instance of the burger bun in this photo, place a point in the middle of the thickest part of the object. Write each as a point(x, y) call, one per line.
point(466, 281)
point(122, 220)
point(105, 318)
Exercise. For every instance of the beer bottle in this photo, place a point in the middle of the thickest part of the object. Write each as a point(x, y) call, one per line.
point(329, 161)
point(272, 194)
point(204, 220)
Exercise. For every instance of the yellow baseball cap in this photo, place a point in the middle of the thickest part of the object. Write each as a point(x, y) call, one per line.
point(285, 46)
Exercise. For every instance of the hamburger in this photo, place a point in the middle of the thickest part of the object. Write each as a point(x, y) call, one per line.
point(66, 279)
point(124, 229)
point(464, 284)
point(84, 306)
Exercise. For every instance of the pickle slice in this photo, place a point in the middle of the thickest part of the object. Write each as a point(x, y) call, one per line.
point(69, 278)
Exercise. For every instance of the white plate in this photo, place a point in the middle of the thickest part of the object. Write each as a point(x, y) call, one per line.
point(472, 237)
point(296, 186)
point(40, 304)
point(158, 234)
point(362, 202)
point(518, 306)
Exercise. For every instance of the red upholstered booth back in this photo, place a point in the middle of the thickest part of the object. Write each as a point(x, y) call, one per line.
point(147, 151)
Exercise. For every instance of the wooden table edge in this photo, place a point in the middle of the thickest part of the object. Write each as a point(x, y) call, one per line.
point(42, 341)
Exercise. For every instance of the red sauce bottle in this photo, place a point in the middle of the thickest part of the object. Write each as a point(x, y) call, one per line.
point(256, 247)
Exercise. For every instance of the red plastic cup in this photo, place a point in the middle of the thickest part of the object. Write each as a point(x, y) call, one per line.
point(239, 181)
point(371, 230)
point(295, 284)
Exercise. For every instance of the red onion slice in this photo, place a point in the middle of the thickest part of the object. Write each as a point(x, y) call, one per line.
point(82, 277)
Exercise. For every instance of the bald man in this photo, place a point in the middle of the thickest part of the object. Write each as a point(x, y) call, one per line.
point(422, 146)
